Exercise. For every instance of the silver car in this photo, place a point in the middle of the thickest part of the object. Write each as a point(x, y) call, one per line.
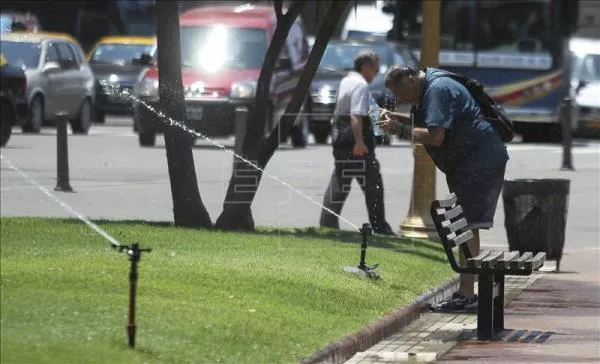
point(59, 78)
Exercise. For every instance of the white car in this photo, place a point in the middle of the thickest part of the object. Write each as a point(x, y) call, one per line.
point(585, 83)
point(59, 78)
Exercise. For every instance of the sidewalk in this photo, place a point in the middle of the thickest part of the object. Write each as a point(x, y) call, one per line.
point(550, 318)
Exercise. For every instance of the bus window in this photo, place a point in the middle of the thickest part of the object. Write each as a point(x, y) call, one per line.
point(456, 24)
point(510, 26)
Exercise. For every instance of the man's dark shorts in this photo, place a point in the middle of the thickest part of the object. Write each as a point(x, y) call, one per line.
point(477, 182)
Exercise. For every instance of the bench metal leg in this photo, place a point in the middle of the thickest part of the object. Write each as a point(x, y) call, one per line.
point(485, 310)
point(499, 304)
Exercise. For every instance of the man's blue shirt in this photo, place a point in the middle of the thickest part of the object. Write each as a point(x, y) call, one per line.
point(470, 140)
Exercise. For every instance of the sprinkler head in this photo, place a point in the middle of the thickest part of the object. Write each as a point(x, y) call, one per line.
point(366, 271)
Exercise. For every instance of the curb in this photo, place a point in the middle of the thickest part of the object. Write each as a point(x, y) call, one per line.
point(373, 333)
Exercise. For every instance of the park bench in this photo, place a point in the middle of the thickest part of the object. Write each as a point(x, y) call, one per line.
point(489, 266)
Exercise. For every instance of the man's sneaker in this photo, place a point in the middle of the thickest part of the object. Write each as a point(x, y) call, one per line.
point(457, 304)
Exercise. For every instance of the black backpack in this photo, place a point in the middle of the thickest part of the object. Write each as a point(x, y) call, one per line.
point(493, 112)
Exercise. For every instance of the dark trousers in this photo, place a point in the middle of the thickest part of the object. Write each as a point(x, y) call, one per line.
point(366, 172)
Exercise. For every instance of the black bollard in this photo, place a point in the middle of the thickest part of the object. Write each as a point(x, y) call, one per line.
point(567, 136)
point(135, 254)
point(62, 154)
point(241, 117)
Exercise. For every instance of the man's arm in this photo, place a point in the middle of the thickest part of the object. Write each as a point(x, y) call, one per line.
point(433, 136)
point(360, 107)
point(357, 127)
point(403, 118)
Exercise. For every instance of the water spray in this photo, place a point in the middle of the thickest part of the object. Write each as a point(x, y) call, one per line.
point(135, 254)
point(363, 269)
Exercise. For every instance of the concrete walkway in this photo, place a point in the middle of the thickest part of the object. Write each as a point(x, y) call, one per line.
point(550, 318)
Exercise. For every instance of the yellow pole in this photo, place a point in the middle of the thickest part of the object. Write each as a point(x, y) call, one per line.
point(418, 223)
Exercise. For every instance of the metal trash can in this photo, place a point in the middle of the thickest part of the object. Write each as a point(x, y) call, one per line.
point(535, 215)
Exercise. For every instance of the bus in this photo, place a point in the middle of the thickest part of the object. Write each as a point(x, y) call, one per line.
point(518, 49)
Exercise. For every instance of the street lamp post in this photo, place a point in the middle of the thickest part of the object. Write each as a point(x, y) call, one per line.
point(418, 223)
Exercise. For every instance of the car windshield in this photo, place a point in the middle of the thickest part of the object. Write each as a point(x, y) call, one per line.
point(23, 54)
point(119, 53)
point(341, 56)
point(217, 47)
point(589, 69)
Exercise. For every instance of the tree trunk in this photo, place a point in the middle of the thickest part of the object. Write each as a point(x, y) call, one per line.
point(237, 214)
point(284, 127)
point(188, 209)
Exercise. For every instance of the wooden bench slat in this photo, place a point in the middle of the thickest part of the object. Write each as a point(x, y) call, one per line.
point(491, 260)
point(458, 225)
point(535, 262)
point(462, 238)
point(475, 262)
point(507, 258)
point(455, 212)
point(449, 201)
point(519, 263)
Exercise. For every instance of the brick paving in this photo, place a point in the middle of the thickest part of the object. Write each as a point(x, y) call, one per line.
point(432, 334)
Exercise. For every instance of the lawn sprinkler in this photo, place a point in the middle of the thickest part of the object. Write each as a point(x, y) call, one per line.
point(363, 269)
point(135, 254)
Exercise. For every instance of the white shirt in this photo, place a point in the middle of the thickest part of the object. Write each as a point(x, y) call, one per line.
point(353, 95)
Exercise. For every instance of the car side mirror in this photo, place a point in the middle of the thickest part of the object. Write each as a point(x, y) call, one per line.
point(284, 63)
point(50, 67)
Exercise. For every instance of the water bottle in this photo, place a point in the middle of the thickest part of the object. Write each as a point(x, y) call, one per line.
point(375, 116)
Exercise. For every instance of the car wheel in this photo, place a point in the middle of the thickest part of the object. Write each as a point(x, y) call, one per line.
point(6, 123)
point(321, 137)
point(147, 138)
point(321, 132)
point(36, 115)
point(82, 124)
point(99, 117)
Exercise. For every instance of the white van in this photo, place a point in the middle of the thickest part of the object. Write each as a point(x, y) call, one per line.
point(367, 22)
point(585, 83)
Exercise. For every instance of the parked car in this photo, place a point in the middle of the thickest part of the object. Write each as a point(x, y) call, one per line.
point(337, 60)
point(59, 78)
point(117, 63)
point(585, 84)
point(222, 52)
point(13, 104)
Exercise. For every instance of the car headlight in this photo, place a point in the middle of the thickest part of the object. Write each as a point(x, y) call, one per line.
point(243, 90)
point(147, 87)
point(324, 95)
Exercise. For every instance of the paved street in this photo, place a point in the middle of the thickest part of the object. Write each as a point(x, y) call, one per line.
point(114, 178)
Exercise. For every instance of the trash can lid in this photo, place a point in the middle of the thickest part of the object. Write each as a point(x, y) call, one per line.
point(535, 186)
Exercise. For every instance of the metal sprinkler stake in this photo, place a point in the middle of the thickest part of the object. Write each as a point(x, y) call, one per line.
point(135, 254)
point(362, 268)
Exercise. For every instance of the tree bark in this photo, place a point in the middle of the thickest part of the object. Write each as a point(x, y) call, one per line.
point(188, 208)
point(237, 212)
point(284, 127)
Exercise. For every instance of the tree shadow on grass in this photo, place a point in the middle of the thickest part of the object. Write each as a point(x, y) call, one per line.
point(419, 247)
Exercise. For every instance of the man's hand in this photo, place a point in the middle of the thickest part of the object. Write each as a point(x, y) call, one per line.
point(390, 126)
point(387, 114)
point(360, 149)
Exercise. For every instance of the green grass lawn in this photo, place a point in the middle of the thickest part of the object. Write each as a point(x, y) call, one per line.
point(204, 296)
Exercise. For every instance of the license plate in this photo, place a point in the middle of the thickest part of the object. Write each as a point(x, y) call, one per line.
point(118, 98)
point(194, 113)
